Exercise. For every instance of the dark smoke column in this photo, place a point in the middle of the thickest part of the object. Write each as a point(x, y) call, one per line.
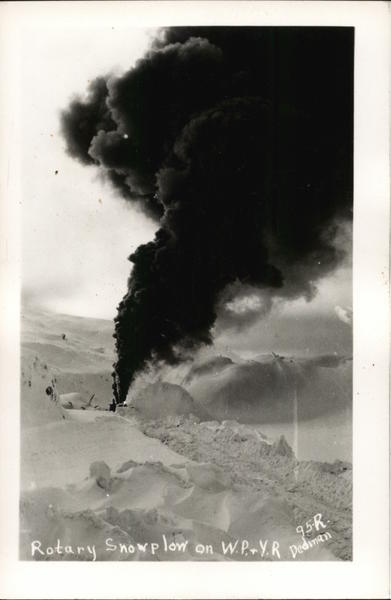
point(239, 142)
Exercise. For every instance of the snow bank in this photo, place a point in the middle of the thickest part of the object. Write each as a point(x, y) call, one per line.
point(154, 512)
point(36, 407)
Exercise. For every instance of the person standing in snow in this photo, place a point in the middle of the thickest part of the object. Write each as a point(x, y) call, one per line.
point(51, 391)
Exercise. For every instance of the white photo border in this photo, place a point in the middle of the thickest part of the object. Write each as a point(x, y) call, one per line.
point(367, 575)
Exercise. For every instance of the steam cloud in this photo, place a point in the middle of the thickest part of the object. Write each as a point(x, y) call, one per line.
point(239, 142)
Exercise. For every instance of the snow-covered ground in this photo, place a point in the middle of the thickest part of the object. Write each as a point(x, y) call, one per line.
point(165, 486)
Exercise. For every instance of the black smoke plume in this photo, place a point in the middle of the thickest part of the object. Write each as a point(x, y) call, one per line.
point(238, 140)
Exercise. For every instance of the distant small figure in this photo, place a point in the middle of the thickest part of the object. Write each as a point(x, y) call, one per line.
point(112, 406)
point(64, 337)
point(51, 391)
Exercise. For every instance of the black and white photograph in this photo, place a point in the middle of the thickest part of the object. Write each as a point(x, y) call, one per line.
point(187, 225)
point(210, 416)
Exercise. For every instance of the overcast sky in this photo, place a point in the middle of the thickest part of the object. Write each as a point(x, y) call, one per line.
point(77, 232)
